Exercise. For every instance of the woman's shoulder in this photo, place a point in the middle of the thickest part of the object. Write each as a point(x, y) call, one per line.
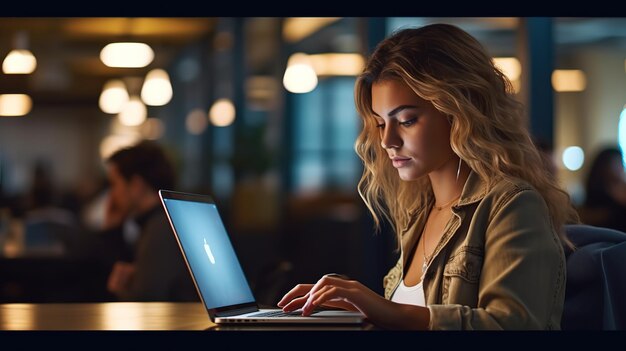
point(510, 187)
point(507, 184)
point(518, 201)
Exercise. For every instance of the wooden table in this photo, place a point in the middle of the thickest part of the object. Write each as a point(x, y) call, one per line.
point(164, 325)
point(137, 316)
point(149, 325)
point(104, 316)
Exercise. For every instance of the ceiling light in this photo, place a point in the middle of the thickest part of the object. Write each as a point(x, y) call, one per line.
point(20, 60)
point(568, 80)
point(510, 66)
point(222, 113)
point(333, 64)
point(573, 158)
point(113, 97)
point(127, 55)
point(157, 89)
point(512, 69)
point(15, 104)
point(134, 112)
point(300, 77)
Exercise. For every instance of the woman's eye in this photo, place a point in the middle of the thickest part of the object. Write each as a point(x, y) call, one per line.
point(380, 125)
point(408, 123)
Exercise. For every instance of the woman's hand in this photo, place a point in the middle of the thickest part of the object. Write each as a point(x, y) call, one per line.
point(298, 297)
point(333, 291)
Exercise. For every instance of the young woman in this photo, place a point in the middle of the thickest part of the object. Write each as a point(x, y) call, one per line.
point(450, 163)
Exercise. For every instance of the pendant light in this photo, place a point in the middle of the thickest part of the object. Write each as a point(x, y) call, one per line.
point(156, 89)
point(113, 97)
point(20, 60)
point(300, 77)
point(127, 54)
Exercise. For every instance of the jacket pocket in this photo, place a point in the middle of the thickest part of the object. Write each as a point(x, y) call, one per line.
point(461, 275)
point(465, 263)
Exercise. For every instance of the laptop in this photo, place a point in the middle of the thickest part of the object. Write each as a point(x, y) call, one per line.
point(217, 272)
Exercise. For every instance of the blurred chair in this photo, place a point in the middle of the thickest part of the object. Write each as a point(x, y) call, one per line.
point(51, 231)
point(595, 296)
point(56, 239)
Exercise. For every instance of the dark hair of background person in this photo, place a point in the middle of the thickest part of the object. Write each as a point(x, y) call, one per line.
point(147, 160)
point(605, 198)
point(598, 179)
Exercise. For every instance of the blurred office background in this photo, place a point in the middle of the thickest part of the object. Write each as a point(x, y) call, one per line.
point(259, 113)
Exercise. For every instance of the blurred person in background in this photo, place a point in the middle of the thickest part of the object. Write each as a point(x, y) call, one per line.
point(48, 226)
point(449, 162)
point(153, 269)
point(41, 200)
point(605, 191)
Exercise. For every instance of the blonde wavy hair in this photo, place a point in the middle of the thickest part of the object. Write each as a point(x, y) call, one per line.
point(449, 68)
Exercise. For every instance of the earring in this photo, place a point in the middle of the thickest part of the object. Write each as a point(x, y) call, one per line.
point(458, 171)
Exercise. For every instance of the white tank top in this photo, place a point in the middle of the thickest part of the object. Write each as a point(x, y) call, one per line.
point(411, 295)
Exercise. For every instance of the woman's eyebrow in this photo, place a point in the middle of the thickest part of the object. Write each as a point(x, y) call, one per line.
point(397, 110)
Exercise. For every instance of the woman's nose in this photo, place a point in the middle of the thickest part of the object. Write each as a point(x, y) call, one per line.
point(390, 139)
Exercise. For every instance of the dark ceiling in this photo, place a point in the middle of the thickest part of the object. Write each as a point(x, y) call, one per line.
point(69, 70)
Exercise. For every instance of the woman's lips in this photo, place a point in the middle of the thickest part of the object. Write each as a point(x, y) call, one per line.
point(399, 162)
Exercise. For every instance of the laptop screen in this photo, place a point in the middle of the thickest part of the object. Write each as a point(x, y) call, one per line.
point(209, 253)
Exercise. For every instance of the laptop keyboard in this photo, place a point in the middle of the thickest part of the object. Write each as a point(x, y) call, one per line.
point(277, 313)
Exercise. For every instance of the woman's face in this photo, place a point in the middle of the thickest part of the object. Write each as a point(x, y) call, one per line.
point(414, 133)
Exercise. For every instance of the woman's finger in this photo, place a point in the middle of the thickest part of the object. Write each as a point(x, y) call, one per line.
point(298, 291)
point(328, 279)
point(323, 296)
point(295, 303)
point(336, 291)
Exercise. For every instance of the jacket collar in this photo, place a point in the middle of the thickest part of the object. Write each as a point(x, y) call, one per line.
point(474, 190)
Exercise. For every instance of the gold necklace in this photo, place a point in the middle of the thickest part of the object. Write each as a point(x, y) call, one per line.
point(424, 262)
point(438, 208)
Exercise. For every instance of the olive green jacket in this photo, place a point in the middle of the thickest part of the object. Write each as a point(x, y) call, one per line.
point(499, 264)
